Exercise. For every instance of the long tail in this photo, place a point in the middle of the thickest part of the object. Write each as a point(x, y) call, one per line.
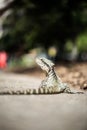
point(31, 91)
point(22, 92)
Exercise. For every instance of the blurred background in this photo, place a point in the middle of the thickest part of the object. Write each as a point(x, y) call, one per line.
point(56, 29)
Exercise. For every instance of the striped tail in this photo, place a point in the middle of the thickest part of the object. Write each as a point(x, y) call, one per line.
point(41, 90)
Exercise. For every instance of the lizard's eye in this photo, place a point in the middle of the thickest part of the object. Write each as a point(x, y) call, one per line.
point(41, 59)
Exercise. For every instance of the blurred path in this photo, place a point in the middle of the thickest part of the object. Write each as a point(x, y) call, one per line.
point(40, 112)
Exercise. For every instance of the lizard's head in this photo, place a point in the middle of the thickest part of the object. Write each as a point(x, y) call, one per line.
point(45, 64)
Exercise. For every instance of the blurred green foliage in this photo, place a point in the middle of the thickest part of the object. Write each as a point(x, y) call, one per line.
point(82, 42)
point(68, 46)
point(33, 23)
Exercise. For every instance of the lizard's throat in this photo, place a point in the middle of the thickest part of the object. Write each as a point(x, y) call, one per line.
point(51, 73)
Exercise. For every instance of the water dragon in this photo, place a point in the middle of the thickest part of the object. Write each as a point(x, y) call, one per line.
point(52, 84)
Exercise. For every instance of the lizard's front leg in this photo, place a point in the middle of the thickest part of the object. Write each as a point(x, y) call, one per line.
point(43, 83)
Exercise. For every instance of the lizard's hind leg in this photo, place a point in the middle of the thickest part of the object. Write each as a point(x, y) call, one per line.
point(68, 90)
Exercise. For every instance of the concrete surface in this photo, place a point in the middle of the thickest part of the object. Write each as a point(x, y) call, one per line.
point(40, 112)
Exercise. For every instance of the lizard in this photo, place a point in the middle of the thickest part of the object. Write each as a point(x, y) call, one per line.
point(52, 84)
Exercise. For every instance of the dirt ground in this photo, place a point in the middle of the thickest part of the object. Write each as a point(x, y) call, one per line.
point(39, 112)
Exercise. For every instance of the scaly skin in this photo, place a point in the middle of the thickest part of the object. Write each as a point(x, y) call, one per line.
point(51, 85)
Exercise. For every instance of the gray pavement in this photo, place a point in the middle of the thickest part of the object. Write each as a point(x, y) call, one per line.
point(40, 112)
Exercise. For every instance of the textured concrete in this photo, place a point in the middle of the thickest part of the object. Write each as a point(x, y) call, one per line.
point(40, 112)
